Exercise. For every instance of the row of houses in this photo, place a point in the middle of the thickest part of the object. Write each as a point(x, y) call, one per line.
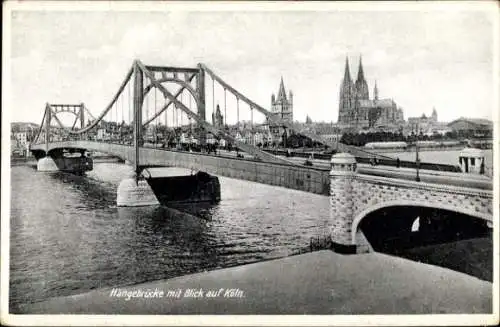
point(256, 138)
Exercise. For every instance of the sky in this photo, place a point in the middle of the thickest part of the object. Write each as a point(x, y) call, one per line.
point(423, 59)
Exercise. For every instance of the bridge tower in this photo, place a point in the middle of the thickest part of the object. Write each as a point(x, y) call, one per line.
point(82, 115)
point(47, 163)
point(48, 118)
point(342, 174)
point(134, 190)
point(200, 91)
point(137, 105)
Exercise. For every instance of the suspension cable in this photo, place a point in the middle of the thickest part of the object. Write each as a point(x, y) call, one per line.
point(238, 112)
point(156, 123)
point(252, 132)
point(165, 133)
point(110, 123)
point(165, 112)
point(213, 95)
point(225, 106)
point(119, 128)
point(251, 117)
point(116, 117)
point(147, 107)
point(189, 117)
point(122, 107)
point(130, 104)
point(177, 116)
point(122, 123)
point(182, 113)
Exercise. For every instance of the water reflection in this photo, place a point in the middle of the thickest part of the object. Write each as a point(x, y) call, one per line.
point(203, 210)
point(92, 193)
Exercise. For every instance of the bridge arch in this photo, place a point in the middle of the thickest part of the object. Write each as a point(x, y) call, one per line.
point(415, 204)
point(174, 80)
point(72, 110)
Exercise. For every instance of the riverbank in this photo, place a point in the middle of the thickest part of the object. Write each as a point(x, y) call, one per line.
point(22, 161)
point(320, 282)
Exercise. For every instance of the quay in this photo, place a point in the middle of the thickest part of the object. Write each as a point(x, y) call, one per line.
point(322, 282)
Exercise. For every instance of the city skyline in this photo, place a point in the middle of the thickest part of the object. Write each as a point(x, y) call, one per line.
point(423, 60)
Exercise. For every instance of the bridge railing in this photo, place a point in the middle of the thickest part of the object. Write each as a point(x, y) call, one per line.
point(372, 161)
point(410, 164)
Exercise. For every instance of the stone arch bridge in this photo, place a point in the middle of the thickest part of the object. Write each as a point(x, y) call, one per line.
point(355, 195)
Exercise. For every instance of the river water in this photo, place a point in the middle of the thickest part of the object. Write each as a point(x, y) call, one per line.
point(68, 236)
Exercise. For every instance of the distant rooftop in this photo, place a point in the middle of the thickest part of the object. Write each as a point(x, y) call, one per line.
point(478, 121)
point(376, 103)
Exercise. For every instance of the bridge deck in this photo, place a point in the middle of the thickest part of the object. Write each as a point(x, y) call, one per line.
point(290, 175)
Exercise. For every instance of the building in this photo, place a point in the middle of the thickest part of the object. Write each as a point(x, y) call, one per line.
point(22, 138)
point(424, 124)
point(472, 127)
point(281, 107)
point(357, 111)
point(239, 137)
point(218, 118)
point(102, 135)
point(210, 139)
point(258, 138)
point(24, 133)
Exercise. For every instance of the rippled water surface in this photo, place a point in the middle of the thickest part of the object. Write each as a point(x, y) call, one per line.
point(68, 236)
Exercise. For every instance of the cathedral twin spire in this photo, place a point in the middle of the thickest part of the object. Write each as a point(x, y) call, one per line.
point(347, 74)
point(361, 86)
point(361, 75)
point(352, 91)
point(357, 89)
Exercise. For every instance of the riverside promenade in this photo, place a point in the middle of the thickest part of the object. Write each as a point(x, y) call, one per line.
point(320, 282)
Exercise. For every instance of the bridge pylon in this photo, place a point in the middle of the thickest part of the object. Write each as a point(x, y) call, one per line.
point(137, 107)
point(343, 171)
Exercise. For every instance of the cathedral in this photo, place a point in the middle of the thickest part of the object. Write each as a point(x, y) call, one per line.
point(358, 112)
point(281, 107)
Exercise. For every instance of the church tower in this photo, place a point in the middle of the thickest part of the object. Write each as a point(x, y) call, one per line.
point(434, 115)
point(361, 85)
point(346, 95)
point(281, 107)
point(217, 117)
point(375, 92)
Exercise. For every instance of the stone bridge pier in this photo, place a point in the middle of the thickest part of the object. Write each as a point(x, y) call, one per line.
point(74, 161)
point(146, 190)
point(386, 207)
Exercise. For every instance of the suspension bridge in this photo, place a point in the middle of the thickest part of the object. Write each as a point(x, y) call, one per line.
point(155, 105)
